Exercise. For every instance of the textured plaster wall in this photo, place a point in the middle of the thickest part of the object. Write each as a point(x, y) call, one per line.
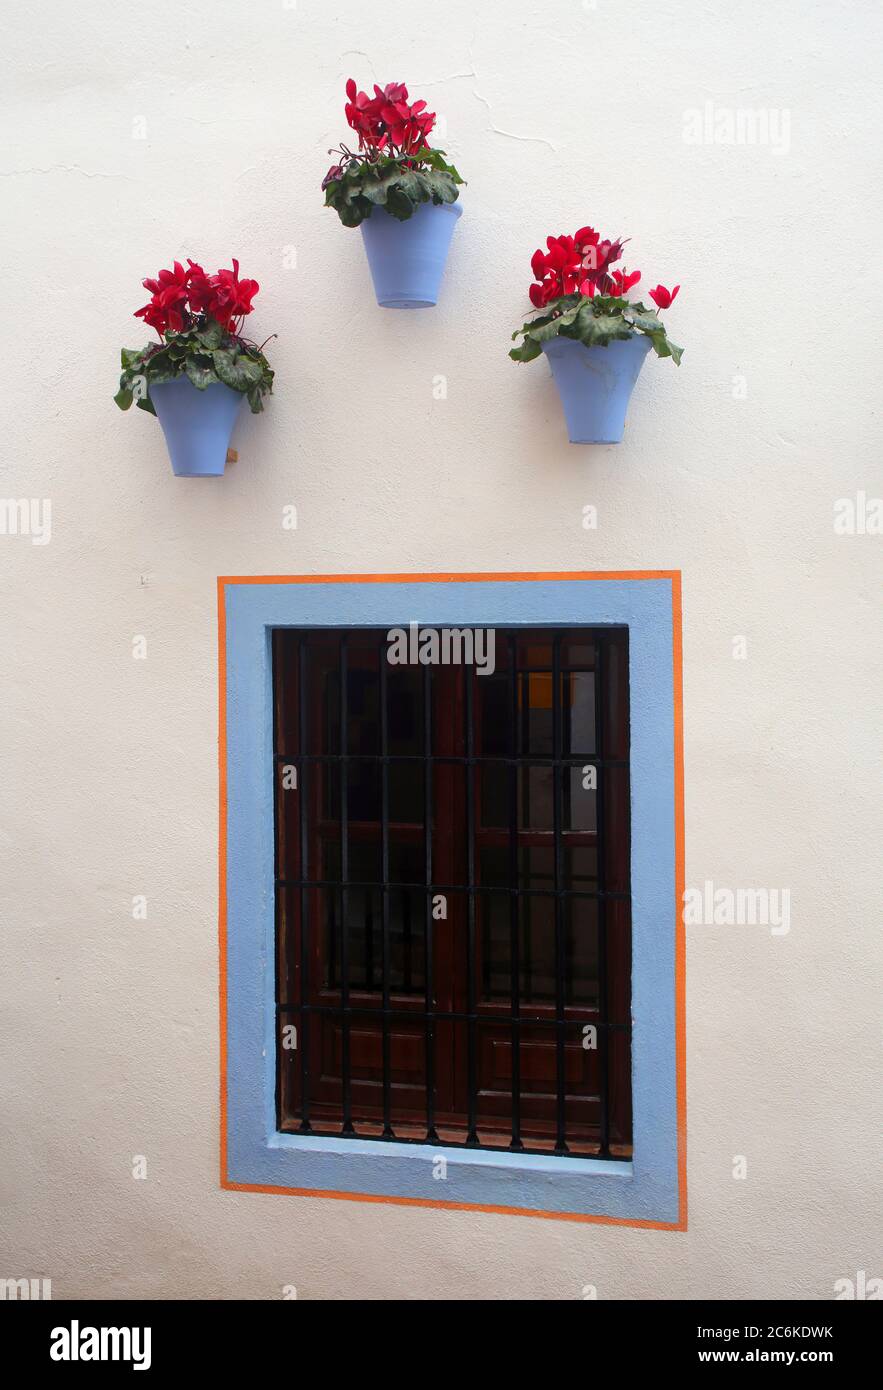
point(558, 113)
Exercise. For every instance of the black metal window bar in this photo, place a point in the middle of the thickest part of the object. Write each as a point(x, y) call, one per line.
point(452, 892)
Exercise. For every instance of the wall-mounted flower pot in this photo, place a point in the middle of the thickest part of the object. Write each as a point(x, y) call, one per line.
point(197, 424)
point(595, 384)
point(407, 259)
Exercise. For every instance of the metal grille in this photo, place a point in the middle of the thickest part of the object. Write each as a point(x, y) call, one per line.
point(452, 892)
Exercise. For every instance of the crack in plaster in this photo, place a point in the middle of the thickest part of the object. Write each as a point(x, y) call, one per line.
point(63, 169)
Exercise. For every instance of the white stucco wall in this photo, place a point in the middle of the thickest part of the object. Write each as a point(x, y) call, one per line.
point(558, 114)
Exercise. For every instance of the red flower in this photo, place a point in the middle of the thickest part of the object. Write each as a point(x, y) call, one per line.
point(558, 268)
point(154, 315)
point(542, 294)
point(582, 264)
point(179, 295)
point(170, 285)
point(362, 115)
point(600, 258)
point(392, 94)
point(578, 263)
point(231, 298)
point(387, 120)
point(662, 298)
point(334, 173)
point(538, 264)
point(200, 290)
point(586, 238)
point(622, 282)
point(169, 291)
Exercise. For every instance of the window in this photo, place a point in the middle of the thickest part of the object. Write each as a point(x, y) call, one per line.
point(452, 891)
point(506, 851)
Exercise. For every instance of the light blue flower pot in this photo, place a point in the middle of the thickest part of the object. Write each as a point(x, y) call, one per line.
point(595, 384)
point(407, 259)
point(197, 424)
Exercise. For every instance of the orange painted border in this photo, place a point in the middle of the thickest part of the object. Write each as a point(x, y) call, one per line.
point(680, 944)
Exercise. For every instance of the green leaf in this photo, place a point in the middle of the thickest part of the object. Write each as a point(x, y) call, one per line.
point(124, 398)
point(526, 351)
point(130, 357)
point(601, 329)
point(168, 373)
point(399, 205)
point(251, 370)
point(159, 363)
point(565, 319)
point(413, 186)
point(646, 321)
point(543, 332)
point(442, 188)
point(377, 190)
point(353, 216)
point(212, 335)
point(201, 371)
point(534, 323)
point(237, 370)
point(664, 348)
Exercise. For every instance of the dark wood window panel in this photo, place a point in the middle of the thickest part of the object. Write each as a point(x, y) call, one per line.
point(414, 782)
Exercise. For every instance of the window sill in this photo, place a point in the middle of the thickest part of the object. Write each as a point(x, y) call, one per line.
point(455, 1157)
point(436, 1175)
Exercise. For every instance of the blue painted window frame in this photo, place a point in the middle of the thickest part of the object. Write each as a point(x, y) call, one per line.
point(649, 1190)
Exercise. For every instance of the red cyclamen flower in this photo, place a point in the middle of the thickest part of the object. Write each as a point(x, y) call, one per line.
point(559, 269)
point(663, 298)
point(200, 289)
point(578, 263)
point(387, 121)
point(154, 315)
point(169, 294)
point(622, 282)
point(232, 297)
point(363, 116)
point(178, 295)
